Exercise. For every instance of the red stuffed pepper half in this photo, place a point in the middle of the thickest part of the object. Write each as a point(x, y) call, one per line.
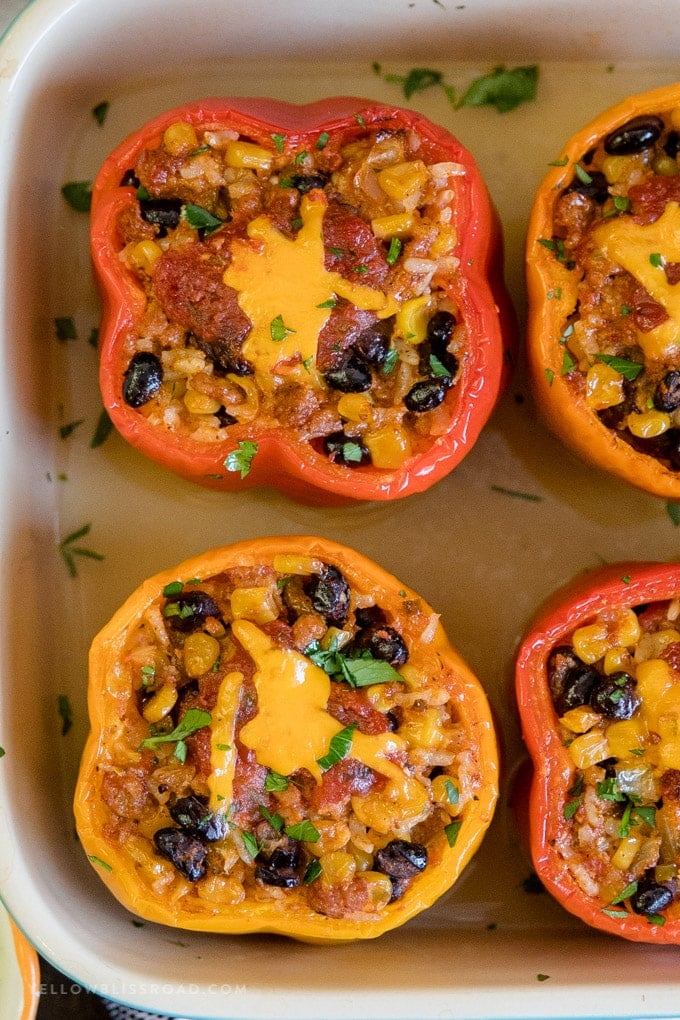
point(307, 297)
point(598, 687)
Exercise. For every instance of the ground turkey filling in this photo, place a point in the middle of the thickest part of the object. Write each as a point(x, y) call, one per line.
point(205, 789)
point(616, 688)
point(616, 225)
point(363, 373)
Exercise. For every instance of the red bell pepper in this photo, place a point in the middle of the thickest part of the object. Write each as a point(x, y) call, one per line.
point(607, 773)
point(260, 452)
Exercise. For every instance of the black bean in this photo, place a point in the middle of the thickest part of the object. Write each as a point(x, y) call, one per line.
point(440, 331)
point(400, 860)
point(185, 851)
point(596, 188)
point(570, 679)
point(373, 343)
point(353, 376)
point(672, 144)
point(667, 392)
point(330, 595)
point(189, 610)
point(282, 868)
point(161, 212)
point(142, 380)
point(306, 182)
point(382, 642)
point(224, 418)
point(366, 616)
point(636, 135)
point(651, 897)
point(346, 450)
point(426, 395)
point(129, 179)
point(616, 696)
point(193, 815)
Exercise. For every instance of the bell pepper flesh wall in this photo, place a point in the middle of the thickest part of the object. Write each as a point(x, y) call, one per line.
point(307, 297)
point(282, 740)
point(604, 305)
point(598, 688)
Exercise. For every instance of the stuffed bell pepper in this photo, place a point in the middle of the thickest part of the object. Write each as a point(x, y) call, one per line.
point(598, 687)
point(282, 740)
point(307, 297)
point(603, 271)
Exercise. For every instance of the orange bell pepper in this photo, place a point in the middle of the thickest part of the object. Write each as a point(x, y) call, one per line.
point(602, 321)
point(256, 450)
point(597, 677)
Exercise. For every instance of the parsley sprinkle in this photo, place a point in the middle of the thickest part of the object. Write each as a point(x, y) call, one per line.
point(102, 430)
point(394, 251)
point(330, 303)
point(502, 88)
point(278, 330)
point(303, 831)
point(568, 363)
point(275, 782)
point(312, 871)
point(673, 511)
point(251, 844)
point(338, 749)
point(99, 862)
point(78, 194)
point(65, 328)
point(628, 369)
point(582, 174)
point(275, 820)
point(516, 494)
point(452, 830)
point(550, 375)
point(65, 713)
point(559, 162)
point(571, 807)
point(656, 259)
point(279, 141)
point(200, 219)
point(242, 458)
point(193, 719)
point(67, 430)
point(69, 550)
point(3, 752)
point(100, 111)
point(322, 140)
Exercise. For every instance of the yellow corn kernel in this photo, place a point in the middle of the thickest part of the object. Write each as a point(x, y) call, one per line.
point(145, 254)
point(617, 168)
point(403, 180)
point(581, 719)
point(423, 731)
point(180, 139)
point(589, 749)
point(379, 887)
point(385, 812)
point(445, 242)
point(337, 867)
point(668, 752)
point(399, 225)
point(625, 736)
point(654, 678)
point(388, 447)
point(356, 407)
point(616, 659)
point(412, 319)
point(248, 155)
point(200, 403)
point(158, 706)
point(200, 653)
point(604, 386)
point(591, 642)
point(333, 835)
point(289, 563)
point(445, 792)
point(625, 852)
point(648, 424)
point(221, 889)
point(362, 859)
point(258, 604)
point(627, 628)
point(652, 645)
point(665, 165)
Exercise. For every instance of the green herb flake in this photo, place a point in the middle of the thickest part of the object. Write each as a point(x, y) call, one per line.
point(615, 913)
point(100, 111)
point(278, 330)
point(625, 311)
point(555, 294)
point(330, 303)
point(275, 820)
point(322, 140)
point(517, 494)
point(3, 752)
point(69, 550)
point(93, 338)
point(390, 362)
point(173, 588)
point(451, 831)
point(275, 782)
point(628, 369)
point(658, 919)
point(65, 713)
point(418, 79)
point(67, 430)
point(312, 871)
point(543, 977)
point(102, 429)
point(571, 807)
point(438, 369)
point(629, 891)
point(582, 174)
point(568, 363)
point(550, 375)
point(394, 251)
point(673, 511)
point(338, 749)
point(279, 141)
point(223, 747)
point(452, 792)
point(78, 194)
point(303, 831)
point(559, 162)
point(251, 844)
point(99, 862)
point(360, 120)
point(656, 259)
point(241, 459)
point(503, 88)
point(65, 328)
point(200, 219)
point(621, 203)
point(194, 719)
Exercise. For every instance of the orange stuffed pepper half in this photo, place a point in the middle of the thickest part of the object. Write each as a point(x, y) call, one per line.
point(304, 297)
point(283, 740)
point(603, 271)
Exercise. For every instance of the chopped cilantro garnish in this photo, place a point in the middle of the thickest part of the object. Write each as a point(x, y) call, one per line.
point(65, 328)
point(100, 111)
point(312, 871)
point(673, 511)
point(393, 251)
point(194, 719)
point(279, 141)
point(65, 713)
point(362, 671)
point(200, 219)
point(503, 88)
point(582, 174)
point(99, 862)
point(241, 459)
point(656, 259)
point(275, 782)
point(304, 831)
point(78, 194)
point(322, 140)
point(67, 430)
point(102, 430)
point(69, 550)
point(275, 820)
point(278, 330)
point(517, 494)
point(628, 369)
point(452, 830)
point(251, 844)
point(550, 375)
point(338, 748)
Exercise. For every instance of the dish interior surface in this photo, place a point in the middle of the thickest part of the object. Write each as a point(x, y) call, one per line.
point(516, 519)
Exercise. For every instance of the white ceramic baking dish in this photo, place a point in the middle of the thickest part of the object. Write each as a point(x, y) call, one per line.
point(516, 519)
